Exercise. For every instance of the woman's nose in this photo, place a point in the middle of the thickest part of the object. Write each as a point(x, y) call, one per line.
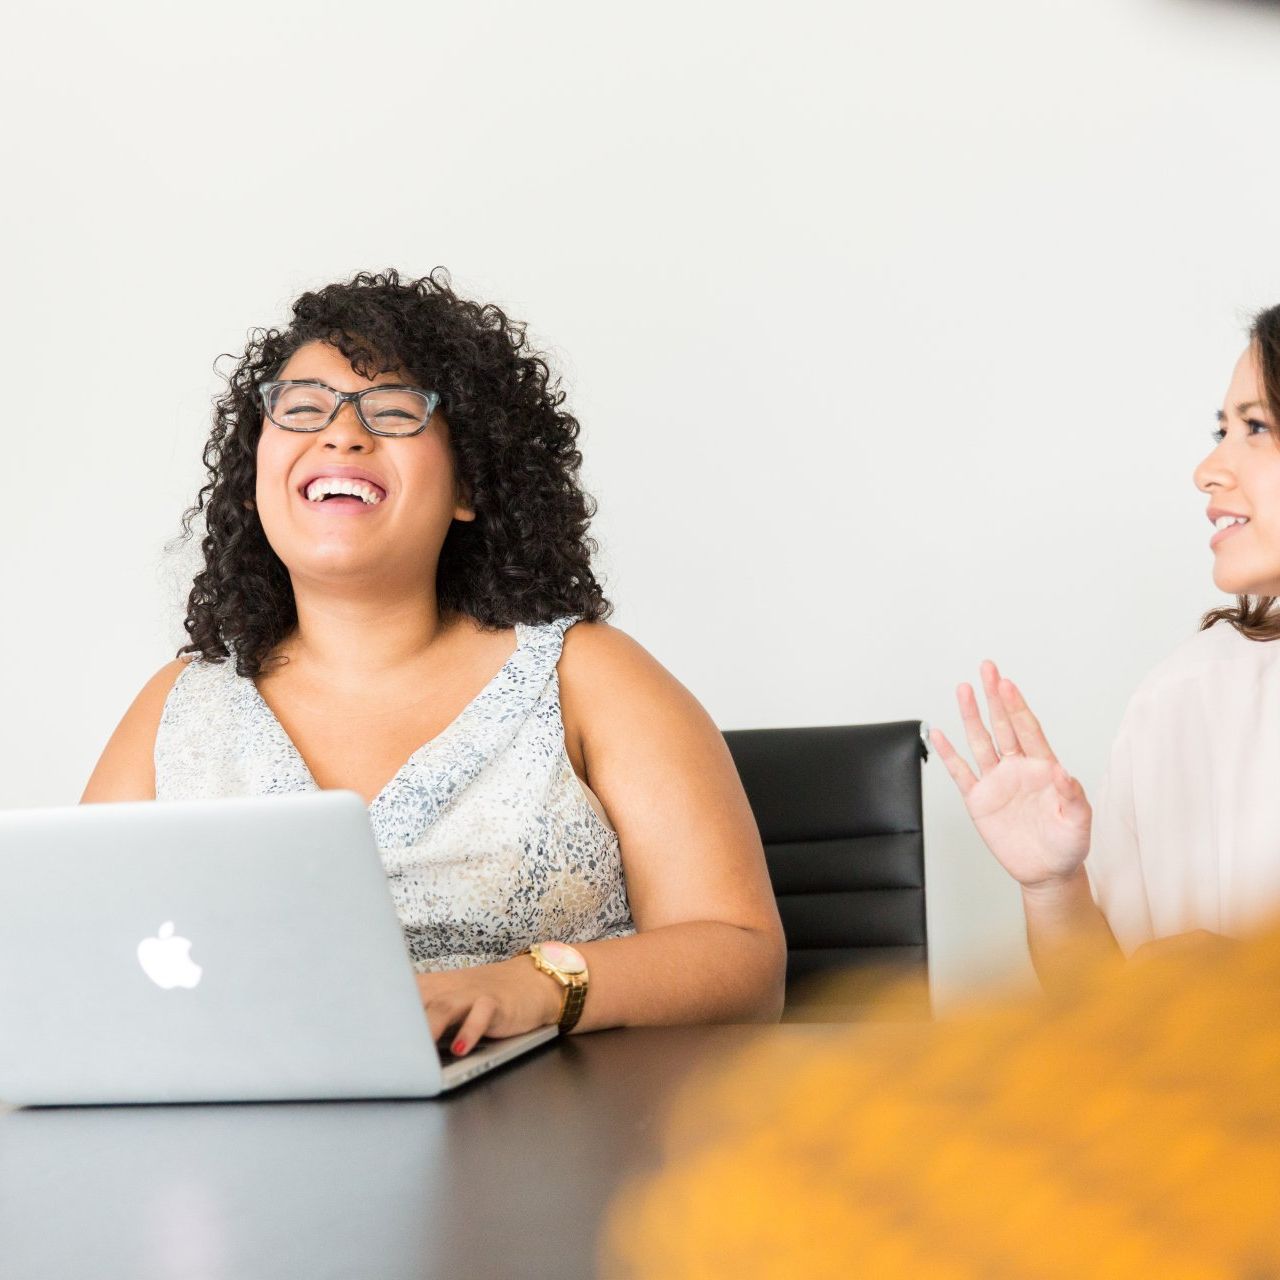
point(346, 425)
point(1212, 471)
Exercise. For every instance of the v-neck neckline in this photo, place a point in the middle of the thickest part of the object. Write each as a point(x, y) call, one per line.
point(417, 755)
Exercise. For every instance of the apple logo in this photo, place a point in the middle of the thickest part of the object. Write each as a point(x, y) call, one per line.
point(165, 961)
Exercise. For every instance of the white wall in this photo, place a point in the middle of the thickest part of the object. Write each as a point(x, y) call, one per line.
point(895, 329)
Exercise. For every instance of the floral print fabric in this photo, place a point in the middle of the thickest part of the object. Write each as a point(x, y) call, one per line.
point(487, 836)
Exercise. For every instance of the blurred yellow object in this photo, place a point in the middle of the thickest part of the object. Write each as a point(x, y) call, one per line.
point(1128, 1128)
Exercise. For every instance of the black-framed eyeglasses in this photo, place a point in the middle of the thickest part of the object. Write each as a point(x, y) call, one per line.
point(305, 404)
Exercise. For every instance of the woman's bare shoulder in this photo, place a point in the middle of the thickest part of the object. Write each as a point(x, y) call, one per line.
point(611, 686)
point(126, 768)
point(592, 642)
point(599, 658)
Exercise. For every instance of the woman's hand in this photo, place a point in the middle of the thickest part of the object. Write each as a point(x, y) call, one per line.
point(1030, 812)
point(1210, 945)
point(503, 999)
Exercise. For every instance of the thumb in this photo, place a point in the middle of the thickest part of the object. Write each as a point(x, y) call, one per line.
point(1069, 790)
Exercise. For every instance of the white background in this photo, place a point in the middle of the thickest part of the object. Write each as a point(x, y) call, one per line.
point(895, 329)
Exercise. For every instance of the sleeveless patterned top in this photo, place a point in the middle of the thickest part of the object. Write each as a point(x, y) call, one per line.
point(489, 840)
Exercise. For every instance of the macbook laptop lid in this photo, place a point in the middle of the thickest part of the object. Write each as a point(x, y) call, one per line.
point(237, 949)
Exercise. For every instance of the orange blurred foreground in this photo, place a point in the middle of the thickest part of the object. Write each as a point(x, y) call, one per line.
point(1128, 1128)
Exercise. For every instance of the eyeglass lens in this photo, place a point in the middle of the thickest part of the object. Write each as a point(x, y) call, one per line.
point(307, 407)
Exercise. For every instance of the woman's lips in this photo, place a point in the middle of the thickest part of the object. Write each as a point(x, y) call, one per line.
point(1220, 534)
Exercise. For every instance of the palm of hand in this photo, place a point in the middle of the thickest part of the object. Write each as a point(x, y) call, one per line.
point(1024, 821)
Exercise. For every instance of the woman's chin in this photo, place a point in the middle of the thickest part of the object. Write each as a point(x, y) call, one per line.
point(1242, 584)
point(335, 565)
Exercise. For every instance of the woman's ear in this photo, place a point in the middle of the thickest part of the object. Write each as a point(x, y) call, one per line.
point(463, 510)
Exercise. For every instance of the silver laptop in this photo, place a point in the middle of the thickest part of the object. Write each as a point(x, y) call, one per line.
point(210, 951)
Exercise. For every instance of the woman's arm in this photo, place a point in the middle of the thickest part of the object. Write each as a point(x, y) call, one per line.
point(1065, 929)
point(1036, 819)
point(709, 945)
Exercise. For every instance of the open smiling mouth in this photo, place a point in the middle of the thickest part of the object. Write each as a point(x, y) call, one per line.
point(1227, 527)
point(338, 494)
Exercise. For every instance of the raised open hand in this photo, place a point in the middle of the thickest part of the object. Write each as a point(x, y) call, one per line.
point(1030, 812)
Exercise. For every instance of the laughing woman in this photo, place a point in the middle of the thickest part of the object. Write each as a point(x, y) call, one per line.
point(1187, 835)
point(397, 599)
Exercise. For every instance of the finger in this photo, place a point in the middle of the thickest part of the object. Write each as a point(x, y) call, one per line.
point(1001, 725)
point(474, 1025)
point(1069, 790)
point(444, 1013)
point(1030, 735)
point(975, 732)
point(1064, 782)
point(959, 770)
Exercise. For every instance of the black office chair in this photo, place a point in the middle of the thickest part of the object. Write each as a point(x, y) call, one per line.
point(839, 811)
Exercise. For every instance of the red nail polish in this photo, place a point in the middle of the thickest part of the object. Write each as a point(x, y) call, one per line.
point(459, 1048)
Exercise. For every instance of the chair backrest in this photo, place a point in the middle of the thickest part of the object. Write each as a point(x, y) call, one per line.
point(839, 811)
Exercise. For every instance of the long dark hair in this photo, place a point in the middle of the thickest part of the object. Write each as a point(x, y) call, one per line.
point(525, 558)
point(1254, 616)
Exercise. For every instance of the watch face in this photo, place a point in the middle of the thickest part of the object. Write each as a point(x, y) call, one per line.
point(563, 956)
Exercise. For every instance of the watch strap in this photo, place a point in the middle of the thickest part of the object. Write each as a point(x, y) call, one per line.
point(575, 996)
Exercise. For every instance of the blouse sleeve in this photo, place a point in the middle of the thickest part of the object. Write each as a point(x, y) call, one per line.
point(1169, 809)
point(1114, 865)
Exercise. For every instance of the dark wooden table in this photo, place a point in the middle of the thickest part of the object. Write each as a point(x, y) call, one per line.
point(510, 1176)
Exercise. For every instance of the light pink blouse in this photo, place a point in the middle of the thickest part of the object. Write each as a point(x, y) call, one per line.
point(1186, 829)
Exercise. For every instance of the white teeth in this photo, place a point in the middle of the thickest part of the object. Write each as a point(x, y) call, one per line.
point(1225, 522)
point(317, 489)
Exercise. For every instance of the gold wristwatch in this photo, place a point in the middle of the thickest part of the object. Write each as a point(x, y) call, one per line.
point(560, 961)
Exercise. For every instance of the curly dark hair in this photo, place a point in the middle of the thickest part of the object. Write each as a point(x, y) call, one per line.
point(1256, 616)
point(525, 558)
